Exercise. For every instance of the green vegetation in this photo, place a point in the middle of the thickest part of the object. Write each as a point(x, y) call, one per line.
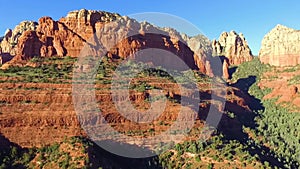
point(295, 80)
point(52, 155)
point(60, 153)
point(275, 134)
point(15, 157)
point(253, 68)
point(142, 70)
point(51, 70)
point(276, 126)
point(141, 86)
point(213, 151)
point(60, 70)
point(292, 69)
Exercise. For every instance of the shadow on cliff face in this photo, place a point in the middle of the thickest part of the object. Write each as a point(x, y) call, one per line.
point(102, 158)
point(98, 157)
point(5, 143)
point(159, 49)
point(244, 85)
point(5, 57)
point(231, 71)
point(216, 64)
point(232, 127)
point(10, 153)
point(243, 116)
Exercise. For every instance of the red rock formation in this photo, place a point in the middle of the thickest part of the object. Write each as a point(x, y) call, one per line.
point(29, 46)
point(53, 39)
point(225, 69)
point(10, 40)
point(232, 46)
point(122, 38)
point(65, 37)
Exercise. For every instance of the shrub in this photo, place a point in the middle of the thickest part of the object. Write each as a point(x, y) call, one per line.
point(210, 166)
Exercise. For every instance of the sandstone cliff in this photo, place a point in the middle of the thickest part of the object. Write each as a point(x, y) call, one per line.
point(65, 37)
point(232, 46)
point(201, 45)
point(121, 38)
point(280, 47)
point(10, 39)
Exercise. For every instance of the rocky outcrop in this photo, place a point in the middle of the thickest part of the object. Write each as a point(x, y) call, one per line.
point(127, 37)
point(201, 46)
point(293, 90)
point(83, 21)
point(65, 37)
point(225, 69)
point(52, 38)
point(232, 46)
point(281, 47)
point(121, 38)
point(10, 39)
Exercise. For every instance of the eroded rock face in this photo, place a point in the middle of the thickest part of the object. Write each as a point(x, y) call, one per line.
point(281, 47)
point(83, 21)
point(65, 37)
point(10, 39)
point(225, 69)
point(51, 34)
point(29, 43)
point(125, 37)
point(232, 46)
point(201, 46)
point(122, 38)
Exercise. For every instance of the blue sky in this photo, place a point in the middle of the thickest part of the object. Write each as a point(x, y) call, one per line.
point(253, 18)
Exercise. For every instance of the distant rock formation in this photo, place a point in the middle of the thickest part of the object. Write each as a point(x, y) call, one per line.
point(201, 46)
point(68, 36)
point(10, 39)
point(281, 47)
point(8, 43)
point(232, 46)
point(65, 37)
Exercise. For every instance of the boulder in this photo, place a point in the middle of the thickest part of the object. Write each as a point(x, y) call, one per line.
point(281, 47)
point(293, 90)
